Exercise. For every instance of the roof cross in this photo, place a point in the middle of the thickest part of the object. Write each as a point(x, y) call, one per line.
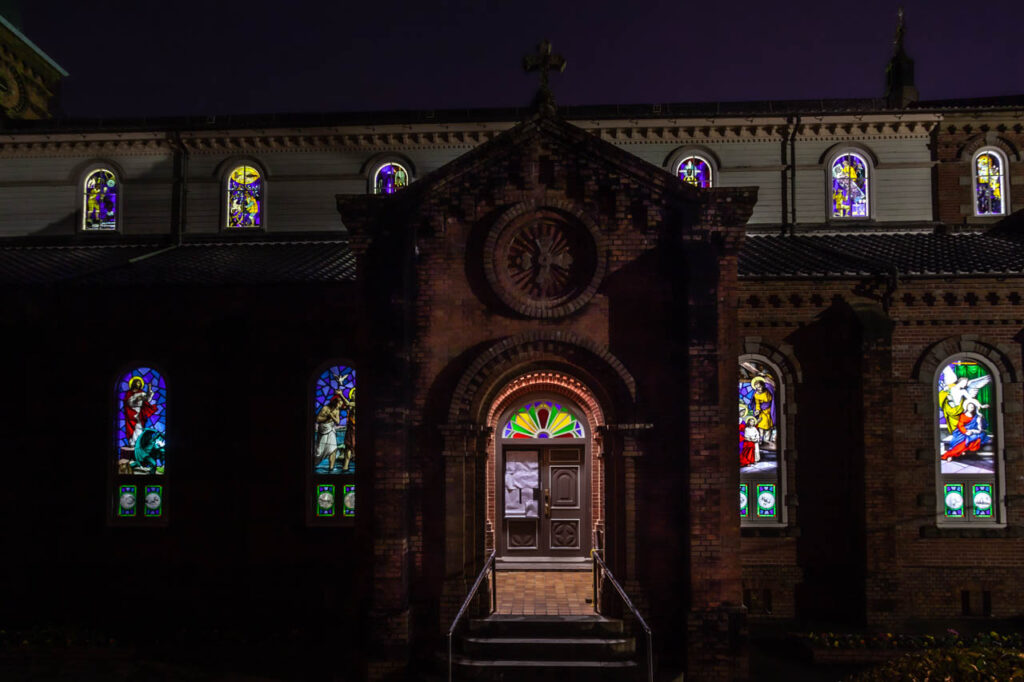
point(544, 62)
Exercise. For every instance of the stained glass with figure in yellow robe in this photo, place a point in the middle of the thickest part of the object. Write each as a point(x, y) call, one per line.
point(245, 197)
point(988, 177)
point(850, 187)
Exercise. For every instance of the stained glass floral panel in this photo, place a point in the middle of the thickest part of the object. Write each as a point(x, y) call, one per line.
point(695, 171)
point(245, 197)
point(850, 187)
point(334, 421)
point(142, 422)
point(100, 201)
point(390, 178)
point(543, 419)
point(988, 176)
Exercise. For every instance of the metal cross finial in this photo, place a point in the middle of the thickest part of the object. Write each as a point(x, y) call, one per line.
point(901, 30)
point(544, 62)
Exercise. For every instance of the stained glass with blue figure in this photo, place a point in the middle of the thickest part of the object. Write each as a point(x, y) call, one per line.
point(988, 179)
point(758, 418)
point(245, 197)
point(966, 440)
point(101, 200)
point(390, 178)
point(142, 422)
point(695, 171)
point(334, 421)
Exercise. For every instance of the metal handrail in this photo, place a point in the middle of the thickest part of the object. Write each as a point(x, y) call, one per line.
point(605, 573)
point(489, 564)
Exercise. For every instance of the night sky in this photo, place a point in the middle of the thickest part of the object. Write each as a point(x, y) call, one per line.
point(133, 58)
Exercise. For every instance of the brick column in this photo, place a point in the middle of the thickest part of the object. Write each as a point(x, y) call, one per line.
point(879, 492)
point(389, 631)
point(465, 499)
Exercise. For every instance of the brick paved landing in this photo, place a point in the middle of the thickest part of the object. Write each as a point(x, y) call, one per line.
point(545, 593)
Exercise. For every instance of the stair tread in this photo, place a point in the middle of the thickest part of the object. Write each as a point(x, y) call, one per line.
point(549, 640)
point(528, 663)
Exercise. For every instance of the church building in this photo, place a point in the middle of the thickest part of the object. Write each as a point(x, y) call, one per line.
point(734, 368)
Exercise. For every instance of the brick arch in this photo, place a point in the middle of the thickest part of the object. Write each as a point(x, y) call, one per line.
point(781, 357)
point(929, 362)
point(542, 381)
point(501, 363)
point(989, 139)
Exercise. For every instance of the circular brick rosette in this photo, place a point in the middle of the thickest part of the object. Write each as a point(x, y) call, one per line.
point(543, 262)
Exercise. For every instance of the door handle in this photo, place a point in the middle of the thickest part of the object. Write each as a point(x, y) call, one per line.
point(547, 502)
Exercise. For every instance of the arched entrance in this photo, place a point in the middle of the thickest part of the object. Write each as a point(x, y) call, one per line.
point(544, 483)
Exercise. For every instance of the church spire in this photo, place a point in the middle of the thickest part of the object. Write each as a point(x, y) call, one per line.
point(544, 61)
point(899, 75)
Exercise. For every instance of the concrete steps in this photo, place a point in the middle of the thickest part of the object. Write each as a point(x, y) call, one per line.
point(542, 648)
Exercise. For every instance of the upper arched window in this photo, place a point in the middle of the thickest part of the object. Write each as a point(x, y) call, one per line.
point(760, 441)
point(390, 177)
point(101, 200)
point(141, 443)
point(849, 188)
point(695, 170)
point(990, 186)
point(543, 419)
point(967, 403)
point(333, 464)
point(244, 192)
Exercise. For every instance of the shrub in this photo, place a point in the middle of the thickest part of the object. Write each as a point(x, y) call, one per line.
point(955, 664)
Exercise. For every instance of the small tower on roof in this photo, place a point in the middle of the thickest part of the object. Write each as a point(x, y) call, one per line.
point(900, 91)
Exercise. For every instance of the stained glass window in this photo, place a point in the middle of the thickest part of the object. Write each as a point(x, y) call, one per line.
point(543, 419)
point(758, 431)
point(390, 178)
point(101, 193)
point(966, 400)
point(334, 421)
point(696, 171)
point(245, 197)
point(988, 184)
point(142, 423)
point(850, 187)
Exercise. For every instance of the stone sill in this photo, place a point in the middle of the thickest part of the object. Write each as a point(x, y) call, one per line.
point(769, 532)
point(984, 532)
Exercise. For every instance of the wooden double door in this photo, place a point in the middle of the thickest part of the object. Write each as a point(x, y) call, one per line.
point(544, 502)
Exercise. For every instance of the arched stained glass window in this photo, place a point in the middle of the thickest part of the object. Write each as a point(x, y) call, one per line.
point(760, 411)
point(989, 187)
point(100, 202)
point(968, 461)
point(141, 443)
point(334, 443)
point(543, 419)
point(390, 178)
point(244, 197)
point(850, 187)
point(696, 171)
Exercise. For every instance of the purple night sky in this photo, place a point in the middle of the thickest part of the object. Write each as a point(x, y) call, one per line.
point(129, 58)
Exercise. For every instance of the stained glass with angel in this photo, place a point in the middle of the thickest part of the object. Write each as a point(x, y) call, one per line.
point(758, 418)
point(966, 440)
point(334, 421)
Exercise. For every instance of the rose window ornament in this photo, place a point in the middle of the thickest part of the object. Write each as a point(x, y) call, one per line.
point(544, 263)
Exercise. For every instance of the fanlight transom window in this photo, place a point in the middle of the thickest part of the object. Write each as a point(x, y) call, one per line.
point(696, 171)
point(989, 187)
point(849, 190)
point(543, 419)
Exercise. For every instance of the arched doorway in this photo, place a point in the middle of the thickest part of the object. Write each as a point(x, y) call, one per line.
point(544, 481)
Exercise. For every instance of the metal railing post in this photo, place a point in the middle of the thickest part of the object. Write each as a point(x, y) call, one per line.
point(488, 565)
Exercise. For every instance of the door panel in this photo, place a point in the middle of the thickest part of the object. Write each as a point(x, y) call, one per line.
point(545, 506)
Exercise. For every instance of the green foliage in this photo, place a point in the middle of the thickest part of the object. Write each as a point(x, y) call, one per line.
point(889, 640)
point(951, 664)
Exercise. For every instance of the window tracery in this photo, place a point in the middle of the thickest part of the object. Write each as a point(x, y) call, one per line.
point(695, 170)
point(390, 178)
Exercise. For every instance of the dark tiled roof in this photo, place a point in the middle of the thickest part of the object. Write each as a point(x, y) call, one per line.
point(203, 264)
point(852, 254)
